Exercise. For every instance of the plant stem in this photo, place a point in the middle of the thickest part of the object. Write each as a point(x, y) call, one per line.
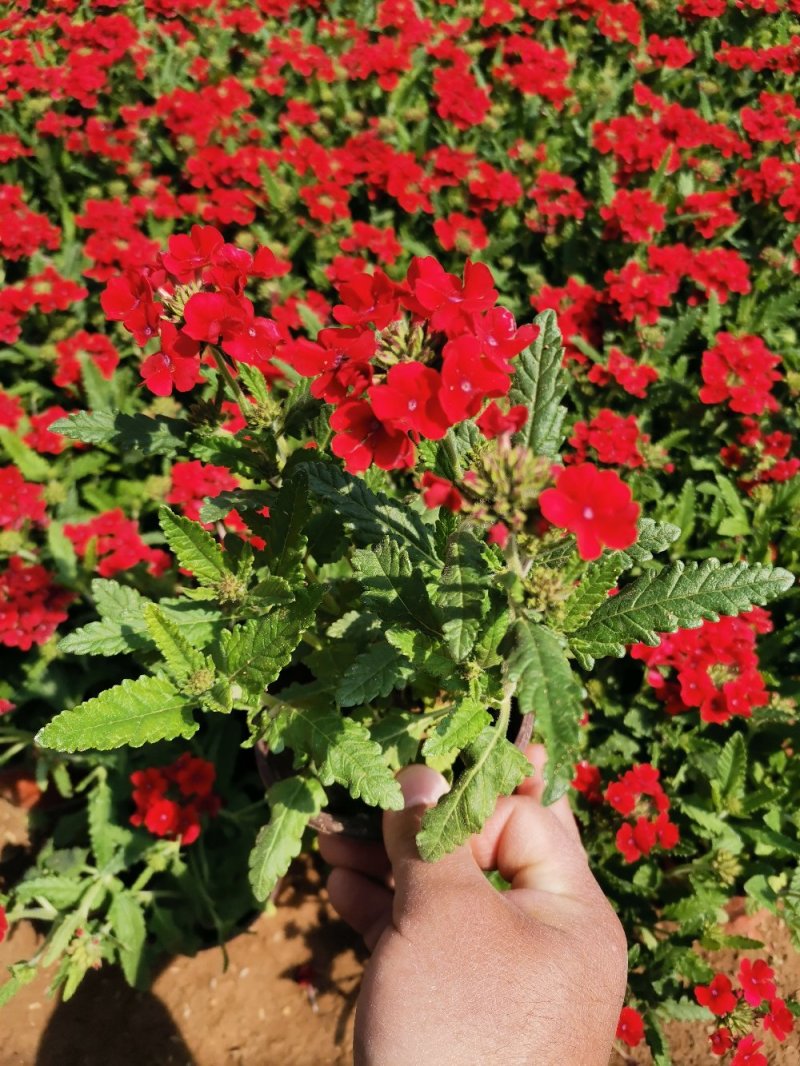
point(230, 380)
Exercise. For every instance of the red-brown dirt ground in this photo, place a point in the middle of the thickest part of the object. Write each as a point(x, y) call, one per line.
point(256, 1012)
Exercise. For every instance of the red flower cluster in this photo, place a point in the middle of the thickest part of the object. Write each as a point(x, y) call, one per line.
point(760, 457)
point(742, 371)
point(31, 605)
point(635, 378)
point(614, 439)
point(716, 667)
point(193, 482)
point(22, 231)
point(630, 1028)
point(593, 504)
point(758, 991)
point(170, 800)
point(115, 542)
point(638, 793)
point(96, 346)
point(20, 500)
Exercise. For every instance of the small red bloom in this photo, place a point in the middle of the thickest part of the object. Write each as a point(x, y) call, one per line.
point(595, 505)
point(438, 492)
point(721, 1041)
point(779, 1020)
point(718, 996)
point(630, 1028)
point(3, 924)
point(468, 378)
point(189, 253)
point(494, 422)
point(588, 780)
point(748, 1053)
point(756, 979)
point(361, 439)
point(410, 400)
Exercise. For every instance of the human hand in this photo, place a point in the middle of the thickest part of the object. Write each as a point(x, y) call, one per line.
point(461, 973)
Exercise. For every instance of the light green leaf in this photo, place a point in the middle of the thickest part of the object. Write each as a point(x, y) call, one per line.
point(374, 673)
point(99, 814)
point(181, 658)
point(128, 925)
point(681, 596)
point(462, 596)
point(398, 735)
point(548, 689)
point(651, 539)
point(29, 463)
point(598, 579)
point(293, 803)
point(194, 547)
point(540, 383)
point(425, 653)
point(494, 767)
point(458, 729)
point(126, 433)
point(731, 772)
point(135, 713)
point(21, 975)
point(344, 752)
point(371, 515)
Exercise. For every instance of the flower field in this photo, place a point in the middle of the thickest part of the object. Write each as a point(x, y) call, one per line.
point(394, 381)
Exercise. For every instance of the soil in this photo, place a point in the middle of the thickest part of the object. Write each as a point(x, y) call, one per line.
point(286, 996)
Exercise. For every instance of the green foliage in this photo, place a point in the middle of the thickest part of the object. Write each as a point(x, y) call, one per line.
point(135, 713)
point(393, 588)
point(293, 803)
point(194, 548)
point(374, 673)
point(540, 384)
point(458, 729)
point(463, 597)
point(125, 433)
point(548, 689)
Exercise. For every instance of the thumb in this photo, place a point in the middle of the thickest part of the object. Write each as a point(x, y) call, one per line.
point(414, 878)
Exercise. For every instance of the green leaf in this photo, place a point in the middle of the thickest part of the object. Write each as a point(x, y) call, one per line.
point(462, 596)
point(252, 655)
point(540, 383)
point(29, 463)
point(371, 515)
point(126, 433)
point(681, 596)
point(392, 588)
point(217, 508)
point(60, 891)
point(494, 767)
point(194, 547)
point(293, 803)
point(62, 552)
point(425, 654)
point(135, 713)
point(375, 672)
point(289, 512)
point(99, 814)
point(398, 735)
point(128, 925)
point(731, 773)
point(598, 579)
point(181, 658)
point(344, 752)
point(458, 729)
point(651, 539)
point(548, 689)
point(21, 975)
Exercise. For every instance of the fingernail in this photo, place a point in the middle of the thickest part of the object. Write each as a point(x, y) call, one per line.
point(421, 785)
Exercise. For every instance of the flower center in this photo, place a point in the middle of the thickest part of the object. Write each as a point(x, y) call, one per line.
point(412, 405)
point(588, 514)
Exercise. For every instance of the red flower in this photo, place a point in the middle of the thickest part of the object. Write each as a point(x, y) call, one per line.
point(175, 366)
point(742, 371)
point(748, 1053)
point(361, 439)
point(339, 360)
point(779, 1020)
point(3, 924)
point(31, 606)
point(116, 543)
point(636, 840)
point(41, 438)
point(410, 400)
point(162, 817)
point(756, 981)
point(630, 1028)
point(20, 500)
point(210, 315)
point(369, 299)
point(438, 492)
point(446, 300)
point(721, 1041)
point(189, 253)
point(468, 378)
point(718, 996)
point(494, 422)
point(593, 504)
point(588, 780)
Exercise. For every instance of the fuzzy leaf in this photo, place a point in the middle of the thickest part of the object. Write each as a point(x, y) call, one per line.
point(136, 712)
point(732, 769)
point(680, 596)
point(194, 547)
point(494, 767)
point(426, 654)
point(371, 515)
point(598, 579)
point(21, 975)
point(293, 803)
point(392, 588)
point(376, 672)
point(548, 689)
point(129, 928)
point(463, 597)
point(398, 735)
point(126, 433)
point(344, 752)
point(651, 538)
point(217, 508)
point(181, 658)
point(252, 655)
point(289, 513)
point(458, 729)
point(99, 816)
point(540, 384)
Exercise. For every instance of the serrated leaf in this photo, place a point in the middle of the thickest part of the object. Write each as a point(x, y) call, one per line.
point(370, 515)
point(375, 672)
point(426, 654)
point(398, 734)
point(181, 658)
point(392, 588)
point(597, 581)
point(217, 508)
point(681, 596)
point(98, 810)
point(651, 538)
point(21, 975)
point(458, 730)
point(494, 767)
point(252, 655)
point(130, 929)
point(462, 596)
point(293, 803)
point(126, 433)
point(289, 513)
point(540, 383)
point(731, 772)
point(548, 689)
point(194, 547)
point(344, 752)
point(60, 891)
point(136, 712)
